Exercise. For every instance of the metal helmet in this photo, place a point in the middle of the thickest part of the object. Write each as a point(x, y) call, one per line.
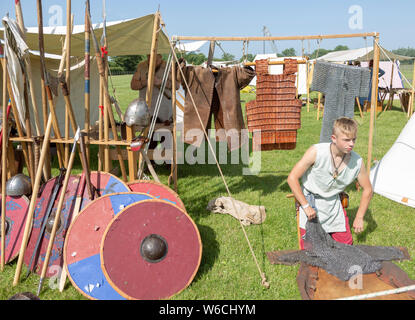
point(18, 185)
point(137, 113)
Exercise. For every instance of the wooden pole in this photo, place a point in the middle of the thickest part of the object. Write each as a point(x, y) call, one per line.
point(43, 75)
point(58, 212)
point(173, 165)
point(31, 209)
point(68, 71)
point(107, 96)
point(318, 105)
point(152, 62)
point(18, 124)
point(374, 99)
point(76, 210)
point(20, 21)
point(411, 102)
point(3, 168)
point(87, 81)
point(313, 37)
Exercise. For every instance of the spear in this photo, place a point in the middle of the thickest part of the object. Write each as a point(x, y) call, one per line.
point(107, 96)
point(3, 171)
point(58, 211)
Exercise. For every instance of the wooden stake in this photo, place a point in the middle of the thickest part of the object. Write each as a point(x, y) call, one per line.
point(76, 210)
point(173, 165)
point(58, 213)
point(374, 99)
point(31, 209)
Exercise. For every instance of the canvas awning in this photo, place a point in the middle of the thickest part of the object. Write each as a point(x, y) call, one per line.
point(125, 37)
point(362, 54)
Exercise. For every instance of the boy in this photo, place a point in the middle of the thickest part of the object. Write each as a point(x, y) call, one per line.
point(326, 169)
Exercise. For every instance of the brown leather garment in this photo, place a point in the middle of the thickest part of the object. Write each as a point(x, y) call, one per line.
point(217, 93)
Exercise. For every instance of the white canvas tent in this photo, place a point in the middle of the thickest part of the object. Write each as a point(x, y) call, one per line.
point(126, 37)
point(278, 69)
point(394, 175)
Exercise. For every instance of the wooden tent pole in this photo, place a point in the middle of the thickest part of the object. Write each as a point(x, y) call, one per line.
point(373, 99)
point(411, 102)
point(173, 166)
point(151, 69)
point(313, 37)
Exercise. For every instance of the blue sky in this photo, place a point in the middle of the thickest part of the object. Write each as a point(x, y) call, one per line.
point(394, 20)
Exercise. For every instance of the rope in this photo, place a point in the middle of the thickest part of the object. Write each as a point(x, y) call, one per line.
point(262, 274)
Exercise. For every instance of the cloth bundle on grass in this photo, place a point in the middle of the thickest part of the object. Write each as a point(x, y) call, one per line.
point(247, 214)
point(338, 259)
point(341, 84)
point(276, 112)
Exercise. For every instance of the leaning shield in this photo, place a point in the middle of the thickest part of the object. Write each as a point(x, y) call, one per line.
point(82, 244)
point(16, 211)
point(103, 182)
point(151, 250)
point(158, 190)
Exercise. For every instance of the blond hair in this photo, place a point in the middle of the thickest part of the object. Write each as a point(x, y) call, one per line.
point(346, 126)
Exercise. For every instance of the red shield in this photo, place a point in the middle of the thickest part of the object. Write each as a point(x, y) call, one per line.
point(16, 211)
point(151, 250)
point(158, 190)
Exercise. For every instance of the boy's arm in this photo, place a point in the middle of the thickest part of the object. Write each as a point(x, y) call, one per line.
point(364, 182)
point(296, 173)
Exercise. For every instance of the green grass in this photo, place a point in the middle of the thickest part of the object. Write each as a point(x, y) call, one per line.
point(227, 269)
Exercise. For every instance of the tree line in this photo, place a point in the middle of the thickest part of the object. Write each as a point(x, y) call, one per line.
point(129, 63)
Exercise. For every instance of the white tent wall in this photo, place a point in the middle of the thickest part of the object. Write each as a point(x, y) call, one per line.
point(394, 176)
point(77, 87)
point(278, 69)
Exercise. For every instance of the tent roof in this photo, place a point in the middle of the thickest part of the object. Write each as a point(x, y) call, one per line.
point(125, 37)
point(361, 54)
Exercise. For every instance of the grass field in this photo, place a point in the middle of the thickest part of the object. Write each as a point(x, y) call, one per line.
point(227, 269)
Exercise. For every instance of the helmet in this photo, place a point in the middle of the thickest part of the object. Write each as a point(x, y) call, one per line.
point(18, 185)
point(137, 113)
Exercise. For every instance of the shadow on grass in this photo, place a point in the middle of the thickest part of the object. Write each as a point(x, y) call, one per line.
point(210, 250)
point(368, 218)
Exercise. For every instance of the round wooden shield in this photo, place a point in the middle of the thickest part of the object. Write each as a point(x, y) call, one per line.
point(105, 183)
point(82, 244)
point(16, 211)
point(151, 250)
point(158, 190)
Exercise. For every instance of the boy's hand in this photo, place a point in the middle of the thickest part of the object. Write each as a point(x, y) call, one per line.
point(358, 225)
point(310, 212)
